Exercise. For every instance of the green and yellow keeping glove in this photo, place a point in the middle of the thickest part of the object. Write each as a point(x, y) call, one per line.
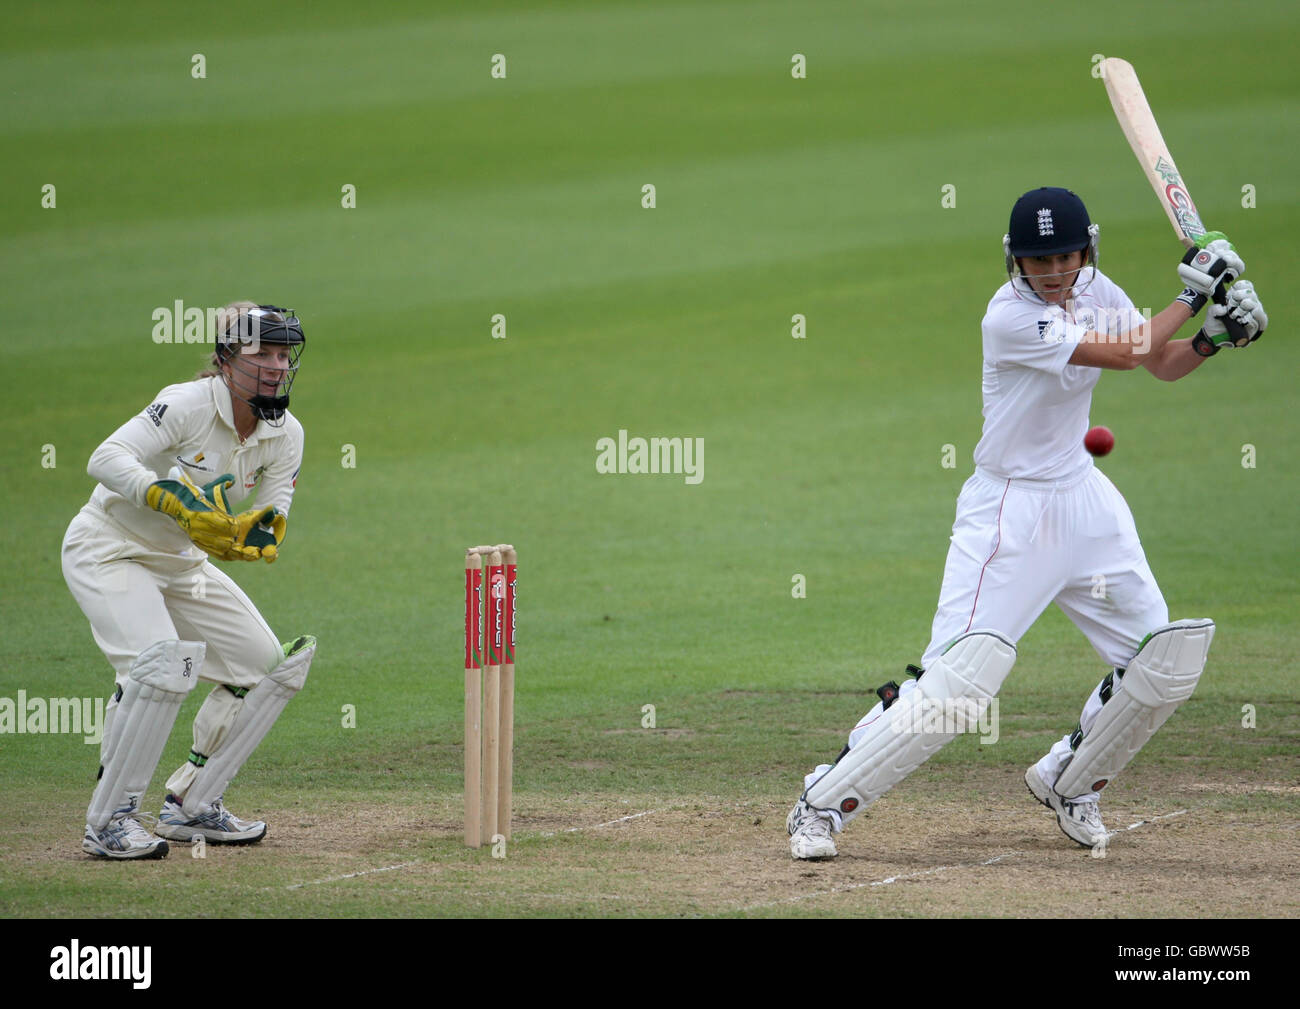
point(209, 527)
point(204, 513)
point(261, 531)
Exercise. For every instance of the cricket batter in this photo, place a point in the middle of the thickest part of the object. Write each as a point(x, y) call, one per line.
point(136, 559)
point(1037, 523)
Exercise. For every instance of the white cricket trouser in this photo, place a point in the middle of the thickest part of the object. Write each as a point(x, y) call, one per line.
point(1018, 545)
point(134, 596)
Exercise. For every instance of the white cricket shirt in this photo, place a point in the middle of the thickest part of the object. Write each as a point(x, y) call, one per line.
point(1036, 403)
point(191, 426)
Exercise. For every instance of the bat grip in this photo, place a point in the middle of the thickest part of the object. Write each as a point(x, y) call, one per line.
point(1235, 329)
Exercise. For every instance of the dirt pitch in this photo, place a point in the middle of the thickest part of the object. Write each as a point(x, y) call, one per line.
point(1201, 849)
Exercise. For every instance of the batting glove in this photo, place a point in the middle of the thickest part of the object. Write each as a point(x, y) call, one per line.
point(1243, 307)
point(1209, 270)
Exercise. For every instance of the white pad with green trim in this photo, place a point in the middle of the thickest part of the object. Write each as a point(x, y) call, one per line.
point(157, 683)
point(971, 669)
point(1161, 676)
point(262, 706)
point(211, 726)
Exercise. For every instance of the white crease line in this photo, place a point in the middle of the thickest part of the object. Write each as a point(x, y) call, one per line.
point(883, 882)
point(406, 865)
point(808, 896)
point(1165, 816)
point(523, 894)
point(608, 823)
point(942, 868)
point(352, 875)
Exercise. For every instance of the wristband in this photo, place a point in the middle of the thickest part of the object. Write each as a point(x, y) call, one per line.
point(1192, 299)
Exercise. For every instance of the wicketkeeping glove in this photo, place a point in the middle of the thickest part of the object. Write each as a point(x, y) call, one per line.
point(209, 527)
point(1244, 308)
point(215, 492)
point(258, 533)
point(261, 531)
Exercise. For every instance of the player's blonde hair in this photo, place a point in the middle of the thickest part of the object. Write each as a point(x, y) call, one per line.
point(226, 317)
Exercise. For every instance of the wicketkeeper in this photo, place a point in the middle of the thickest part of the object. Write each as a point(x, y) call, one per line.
point(171, 483)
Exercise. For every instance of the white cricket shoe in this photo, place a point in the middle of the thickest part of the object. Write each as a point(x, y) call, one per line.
point(124, 837)
point(810, 833)
point(1081, 821)
point(220, 826)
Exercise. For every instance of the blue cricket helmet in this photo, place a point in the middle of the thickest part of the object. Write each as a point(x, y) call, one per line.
point(1047, 222)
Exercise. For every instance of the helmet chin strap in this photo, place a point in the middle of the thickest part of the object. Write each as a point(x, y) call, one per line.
point(269, 408)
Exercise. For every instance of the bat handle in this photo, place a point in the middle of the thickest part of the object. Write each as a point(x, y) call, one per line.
point(1235, 329)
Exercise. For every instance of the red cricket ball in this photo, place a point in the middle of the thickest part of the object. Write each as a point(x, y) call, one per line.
point(1099, 440)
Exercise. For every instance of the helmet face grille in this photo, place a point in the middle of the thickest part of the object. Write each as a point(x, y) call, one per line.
point(263, 324)
point(273, 326)
point(1050, 222)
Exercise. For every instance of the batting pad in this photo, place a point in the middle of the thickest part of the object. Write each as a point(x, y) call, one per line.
point(1161, 676)
point(157, 683)
point(211, 726)
point(972, 668)
point(262, 706)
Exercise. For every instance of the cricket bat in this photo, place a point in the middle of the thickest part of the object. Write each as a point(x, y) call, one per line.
point(1143, 135)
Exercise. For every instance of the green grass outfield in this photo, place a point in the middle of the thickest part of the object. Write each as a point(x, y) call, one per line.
point(522, 196)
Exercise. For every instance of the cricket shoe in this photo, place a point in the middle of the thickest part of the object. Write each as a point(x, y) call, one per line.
point(123, 837)
point(810, 833)
point(1081, 821)
point(219, 826)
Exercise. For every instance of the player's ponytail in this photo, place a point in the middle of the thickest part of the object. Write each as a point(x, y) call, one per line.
point(226, 317)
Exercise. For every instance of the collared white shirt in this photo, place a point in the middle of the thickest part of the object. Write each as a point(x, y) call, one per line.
point(1036, 403)
point(191, 426)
